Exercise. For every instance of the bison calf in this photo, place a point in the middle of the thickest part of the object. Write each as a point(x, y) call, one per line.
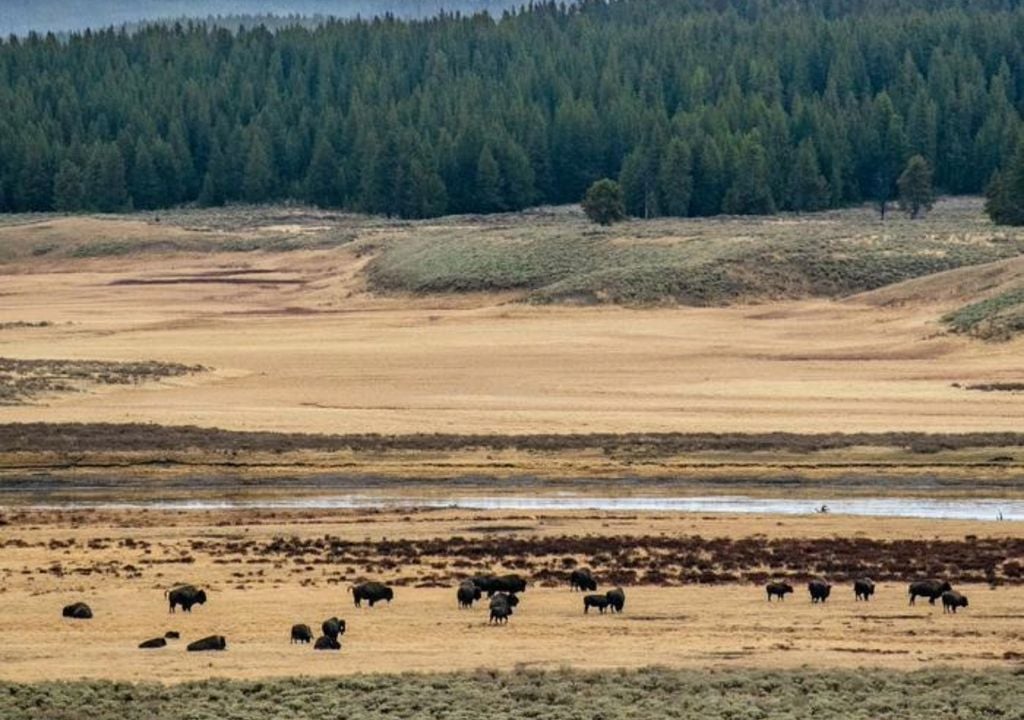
point(951, 600)
point(501, 608)
point(863, 589)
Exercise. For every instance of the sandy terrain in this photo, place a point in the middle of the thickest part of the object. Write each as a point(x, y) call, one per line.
point(693, 626)
point(359, 363)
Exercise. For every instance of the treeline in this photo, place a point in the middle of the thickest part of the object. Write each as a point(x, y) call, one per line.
point(697, 106)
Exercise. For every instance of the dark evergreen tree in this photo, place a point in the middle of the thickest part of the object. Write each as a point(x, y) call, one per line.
point(915, 184)
point(809, 190)
point(69, 188)
point(603, 202)
point(675, 179)
point(1005, 195)
point(750, 192)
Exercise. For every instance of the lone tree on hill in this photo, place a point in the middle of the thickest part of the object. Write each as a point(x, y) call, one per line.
point(1005, 193)
point(915, 184)
point(603, 202)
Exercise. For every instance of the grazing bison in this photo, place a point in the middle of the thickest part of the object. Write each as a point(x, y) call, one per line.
point(778, 589)
point(154, 643)
point(77, 611)
point(213, 642)
point(372, 592)
point(492, 584)
point(931, 589)
point(863, 589)
point(302, 634)
point(467, 594)
point(333, 627)
point(501, 608)
point(951, 600)
point(819, 590)
point(616, 599)
point(326, 643)
point(172, 635)
point(186, 596)
point(582, 580)
point(598, 601)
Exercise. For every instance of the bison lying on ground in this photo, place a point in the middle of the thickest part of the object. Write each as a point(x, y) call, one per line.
point(213, 642)
point(326, 643)
point(333, 627)
point(302, 634)
point(172, 635)
point(467, 594)
point(951, 600)
point(582, 580)
point(778, 589)
point(616, 599)
point(819, 590)
point(372, 592)
point(492, 584)
point(501, 608)
point(598, 601)
point(931, 589)
point(77, 611)
point(154, 643)
point(186, 596)
point(863, 589)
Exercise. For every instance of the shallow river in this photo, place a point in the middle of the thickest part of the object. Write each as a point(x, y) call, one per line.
point(957, 508)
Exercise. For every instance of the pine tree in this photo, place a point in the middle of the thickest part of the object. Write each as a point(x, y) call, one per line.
point(106, 186)
point(809, 190)
point(639, 182)
point(915, 184)
point(750, 192)
point(323, 179)
point(215, 182)
point(603, 202)
point(675, 179)
point(146, 189)
point(488, 182)
point(1005, 203)
point(258, 182)
point(69, 187)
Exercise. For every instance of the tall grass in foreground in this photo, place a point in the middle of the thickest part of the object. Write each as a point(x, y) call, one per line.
point(563, 695)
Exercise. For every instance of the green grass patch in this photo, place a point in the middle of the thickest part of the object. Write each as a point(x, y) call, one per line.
point(998, 318)
point(562, 695)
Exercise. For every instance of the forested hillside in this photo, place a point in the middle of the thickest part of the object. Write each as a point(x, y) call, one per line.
point(698, 106)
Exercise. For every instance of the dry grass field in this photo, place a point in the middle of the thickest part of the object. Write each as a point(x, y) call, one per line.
point(256, 595)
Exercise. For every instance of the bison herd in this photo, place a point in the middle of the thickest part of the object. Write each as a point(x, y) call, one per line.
point(503, 597)
point(864, 588)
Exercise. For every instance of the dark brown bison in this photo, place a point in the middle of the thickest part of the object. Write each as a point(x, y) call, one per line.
point(778, 589)
point(326, 643)
point(186, 596)
point(863, 589)
point(77, 611)
point(154, 643)
point(596, 601)
point(467, 594)
point(492, 584)
point(931, 589)
point(819, 590)
point(951, 600)
point(616, 599)
point(582, 580)
point(302, 634)
point(333, 627)
point(501, 608)
point(213, 642)
point(172, 635)
point(372, 592)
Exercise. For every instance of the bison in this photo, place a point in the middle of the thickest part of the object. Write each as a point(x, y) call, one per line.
point(372, 592)
point(819, 590)
point(467, 594)
point(931, 589)
point(582, 580)
point(863, 589)
point(154, 643)
point(616, 599)
point(492, 584)
point(213, 642)
point(501, 608)
point(172, 635)
point(77, 611)
point(951, 600)
point(186, 596)
point(598, 601)
point(778, 589)
point(325, 642)
point(302, 634)
point(333, 627)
